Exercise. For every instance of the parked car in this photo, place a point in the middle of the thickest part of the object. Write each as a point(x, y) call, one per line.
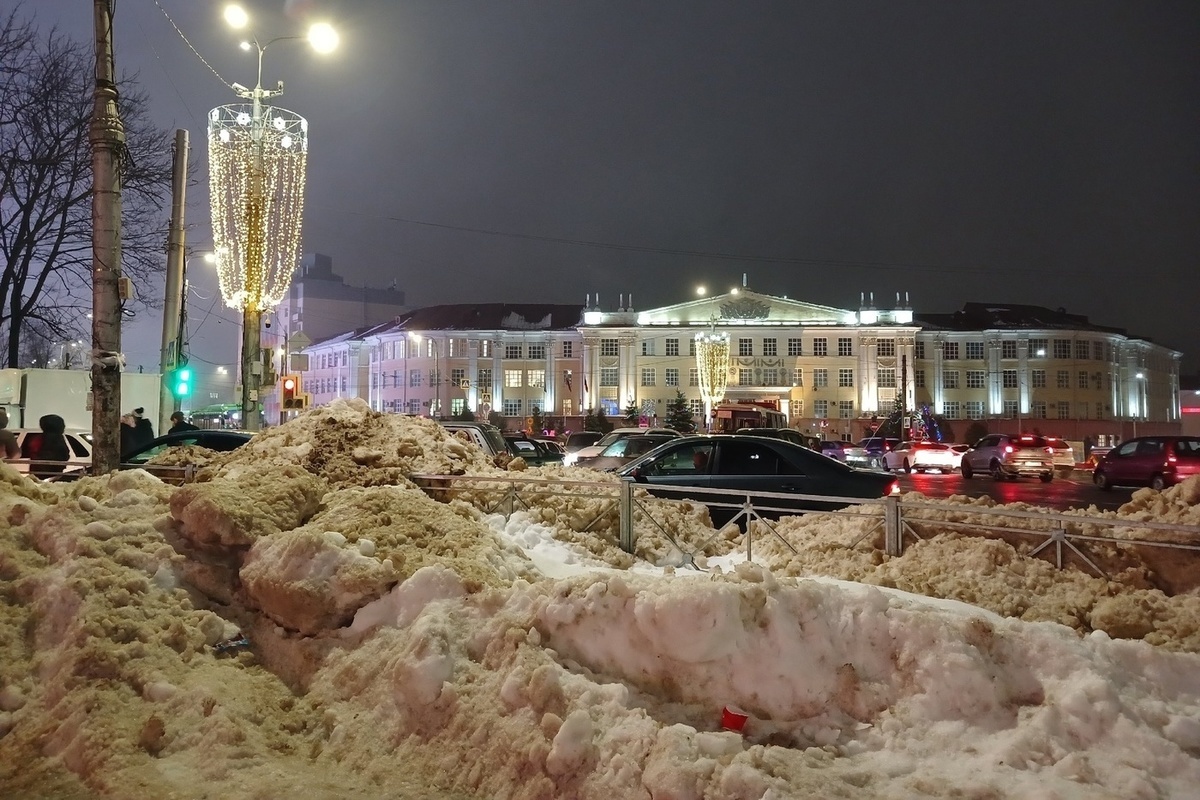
point(748, 464)
point(484, 434)
point(615, 434)
point(835, 449)
point(1064, 456)
point(30, 442)
point(869, 452)
point(922, 457)
point(581, 439)
point(534, 452)
point(551, 444)
point(221, 441)
point(1154, 461)
point(787, 434)
point(1010, 456)
point(622, 451)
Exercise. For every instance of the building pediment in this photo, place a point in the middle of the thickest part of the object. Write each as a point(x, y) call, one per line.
point(746, 308)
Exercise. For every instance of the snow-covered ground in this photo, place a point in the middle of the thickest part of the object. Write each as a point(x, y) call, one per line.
point(305, 620)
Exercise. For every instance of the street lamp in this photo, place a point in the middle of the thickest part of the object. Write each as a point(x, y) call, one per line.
point(257, 156)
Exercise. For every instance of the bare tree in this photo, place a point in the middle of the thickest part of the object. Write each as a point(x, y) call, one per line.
point(45, 188)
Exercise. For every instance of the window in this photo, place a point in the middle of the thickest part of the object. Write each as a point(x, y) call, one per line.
point(795, 347)
point(887, 378)
point(770, 376)
point(414, 377)
point(1099, 410)
point(844, 346)
point(951, 410)
point(886, 347)
point(1037, 409)
point(846, 409)
point(647, 347)
point(608, 376)
point(344, 383)
point(745, 347)
point(691, 348)
point(537, 352)
point(568, 350)
point(821, 409)
point(1083, 379)
point(1009, 378)
point(457, 405)
point(975, 351)
point(1082, 348)
point(513, 378)
point(671, 376)
point(696, 407)
point(610, 347)
point(485, 348)
point(1037, 348)
point(770, 347)
point(797, 377)
point(845, 378)
point(512, 351)
point(1083, 410)
point(1008, 349)
point(1097, 353)
point(745, 377)
point(798, 408)
point(950, 351)
point(1062, 348)
point(821, 347)
point(1037, 378)
point(919, 378)
point(484, 379)
point(1063, 379)
point(414, 407)
point(1010, 409)
point(919, 350)
point(974, 409)
point(537, 378)
point(458, 376)
point(976, 379)
point(512, 407)
point(672, 347)
point(435, 378)
point(694, 376)
point(950, 379)
point(820, 378)
point(648, 376)
point(1064, 410)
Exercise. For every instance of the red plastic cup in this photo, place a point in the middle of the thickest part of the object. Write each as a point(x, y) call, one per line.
point(733, 718)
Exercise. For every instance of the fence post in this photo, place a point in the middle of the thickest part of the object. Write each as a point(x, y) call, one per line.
point(625, 508)
point(893, 542)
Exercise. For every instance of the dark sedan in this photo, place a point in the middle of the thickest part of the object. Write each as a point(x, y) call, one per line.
point(221, 441)
point(746, 465)
point(622, 451)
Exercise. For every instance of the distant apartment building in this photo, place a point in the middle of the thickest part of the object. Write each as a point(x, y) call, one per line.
point(836, 372)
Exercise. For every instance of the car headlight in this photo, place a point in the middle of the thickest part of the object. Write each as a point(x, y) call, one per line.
point(570, 458)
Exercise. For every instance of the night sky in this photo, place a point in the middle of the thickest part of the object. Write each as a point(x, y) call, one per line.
point(1025, 152)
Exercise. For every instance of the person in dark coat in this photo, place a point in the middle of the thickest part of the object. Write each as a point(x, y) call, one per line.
point(143, 430)
point(54, 451)
point(180, 424)
point(128, 435)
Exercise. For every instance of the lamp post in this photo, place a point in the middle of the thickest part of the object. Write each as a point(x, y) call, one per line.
point(260, 216)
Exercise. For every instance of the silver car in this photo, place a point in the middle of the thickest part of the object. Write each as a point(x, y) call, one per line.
point(1010, 456)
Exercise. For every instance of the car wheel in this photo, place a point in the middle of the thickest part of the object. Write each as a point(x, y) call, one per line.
point(1046, 477)
point(1157, 483)
point(907, 466)
point(997, 472)
point(967, 472)
point(1101, 481)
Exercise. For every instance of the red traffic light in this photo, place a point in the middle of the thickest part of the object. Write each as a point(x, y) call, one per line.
point(289, 384)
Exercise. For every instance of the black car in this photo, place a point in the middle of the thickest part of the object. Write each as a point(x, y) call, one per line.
point(749, 464)
point(787, 434)
point(221, 441)
point(535, 453)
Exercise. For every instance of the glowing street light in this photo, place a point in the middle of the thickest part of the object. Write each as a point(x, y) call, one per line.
point(257, 160)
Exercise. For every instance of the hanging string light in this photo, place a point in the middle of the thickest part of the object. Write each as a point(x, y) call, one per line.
point(712, 360)
point(256, 233)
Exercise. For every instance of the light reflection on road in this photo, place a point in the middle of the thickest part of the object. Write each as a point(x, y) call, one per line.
point(1076, 491)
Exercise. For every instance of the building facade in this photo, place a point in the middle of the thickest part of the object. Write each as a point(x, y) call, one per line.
point(834, 372)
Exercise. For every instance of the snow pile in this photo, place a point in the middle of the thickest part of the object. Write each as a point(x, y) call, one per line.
point(305, 620)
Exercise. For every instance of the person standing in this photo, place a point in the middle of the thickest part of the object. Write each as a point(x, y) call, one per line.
point(143, 430)
point(179, 424)
point(128, 434)
point(54, 452)
point(8, 439)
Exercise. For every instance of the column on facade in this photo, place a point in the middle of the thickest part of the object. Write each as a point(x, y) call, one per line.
point(591, 372)
point(497, 375)
point(627, 382)
point(906, 370)
point(995, 378)
point(868, 374)
point(551, 382)
point(473, 374)
point(1023, 377)
point(937, 390)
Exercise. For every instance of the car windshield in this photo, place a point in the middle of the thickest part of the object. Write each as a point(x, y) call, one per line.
point(495, 439)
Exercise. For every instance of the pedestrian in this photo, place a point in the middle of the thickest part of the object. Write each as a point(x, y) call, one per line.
point(8, 439)
point(179, 424)
point(143, 430)
point(128, 435)
point(54, 451)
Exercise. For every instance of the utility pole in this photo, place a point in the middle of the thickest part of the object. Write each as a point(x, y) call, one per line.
point(107, 137)
point(173, 304)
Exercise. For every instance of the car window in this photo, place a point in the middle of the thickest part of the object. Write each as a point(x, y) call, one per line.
point(1188, 448)
point(691, 459)
point(617, 448)
point(747, 458)
point(77, 447)
point(1127, 449)
point(638, 445)
point(1150, 447)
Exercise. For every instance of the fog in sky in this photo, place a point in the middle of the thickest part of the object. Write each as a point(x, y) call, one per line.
point(498, 150)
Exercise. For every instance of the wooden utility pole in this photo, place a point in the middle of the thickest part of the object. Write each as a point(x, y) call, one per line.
point(107, 136)
point(173, 305)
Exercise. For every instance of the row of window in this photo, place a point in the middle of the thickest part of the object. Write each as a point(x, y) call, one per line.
point(1079, 349)
point(452, 348)
point(769, 348)
point(1009, 379)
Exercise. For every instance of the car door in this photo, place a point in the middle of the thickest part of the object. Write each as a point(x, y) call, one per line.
point(978, 457)
point(749, 466)
point(895, 459)
point(1119, 464)
point(685, 465)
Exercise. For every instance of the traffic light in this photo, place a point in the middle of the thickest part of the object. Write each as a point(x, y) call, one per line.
point(291, 398)
point(180, 381)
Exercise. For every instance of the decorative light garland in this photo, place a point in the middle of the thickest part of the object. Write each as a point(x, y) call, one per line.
point(712, 359)
point(256, 234)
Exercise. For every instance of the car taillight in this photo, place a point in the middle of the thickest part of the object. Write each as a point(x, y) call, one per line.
point(1008, 448)
point(893, 488)
point(1050, 450)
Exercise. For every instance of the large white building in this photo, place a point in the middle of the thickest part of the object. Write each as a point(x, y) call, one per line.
point(832, 371)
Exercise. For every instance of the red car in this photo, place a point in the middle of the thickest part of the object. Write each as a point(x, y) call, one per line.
point(1154, 461)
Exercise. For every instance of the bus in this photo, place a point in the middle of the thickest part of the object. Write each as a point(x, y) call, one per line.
point(730, 417)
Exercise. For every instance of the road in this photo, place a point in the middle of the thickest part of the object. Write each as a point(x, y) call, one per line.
point(1076, 491)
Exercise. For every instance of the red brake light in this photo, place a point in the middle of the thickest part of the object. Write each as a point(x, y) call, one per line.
point(894, 488)
point(1008, 448)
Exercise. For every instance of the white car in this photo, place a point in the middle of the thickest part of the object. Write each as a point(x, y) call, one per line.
point(1064, 455)
point(30, 440)
point(922, 457)
point(614, 435)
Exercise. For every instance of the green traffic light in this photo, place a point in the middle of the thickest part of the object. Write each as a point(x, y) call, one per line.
point(181, 382)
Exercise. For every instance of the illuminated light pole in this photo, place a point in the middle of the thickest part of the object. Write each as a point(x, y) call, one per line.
point(257, 159)
point(712, 360)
